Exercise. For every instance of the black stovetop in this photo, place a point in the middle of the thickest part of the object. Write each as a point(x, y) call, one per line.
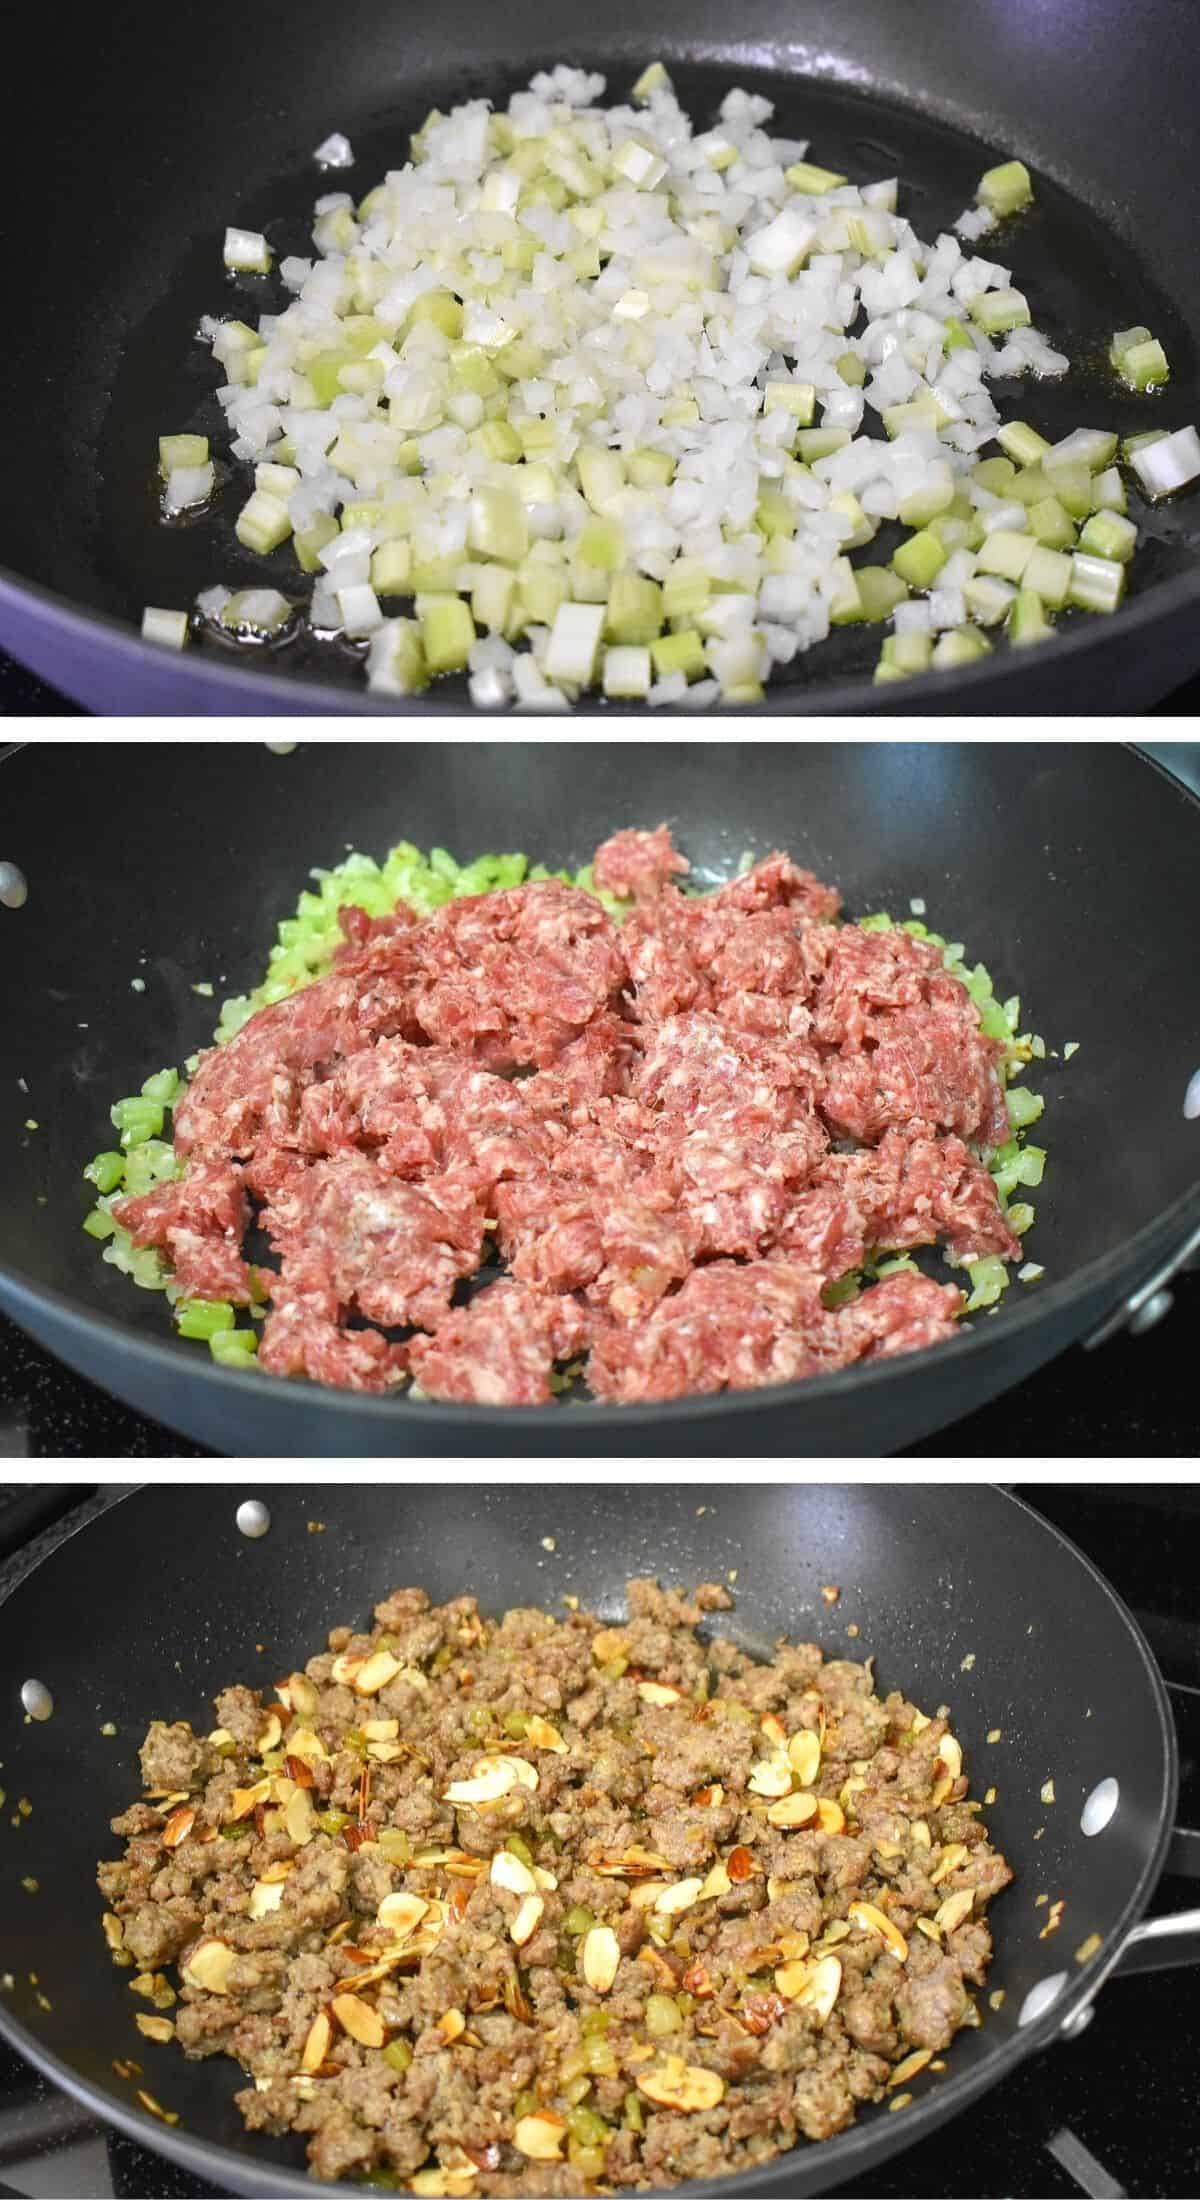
point(1115, 2111)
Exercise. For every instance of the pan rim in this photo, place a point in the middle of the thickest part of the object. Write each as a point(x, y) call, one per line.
point(243, 689)
point(166, 1353)
point(847, 2154)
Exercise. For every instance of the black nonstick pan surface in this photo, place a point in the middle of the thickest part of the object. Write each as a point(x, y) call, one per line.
point(1070, 870)
point(152, 1608)
point(160, 142)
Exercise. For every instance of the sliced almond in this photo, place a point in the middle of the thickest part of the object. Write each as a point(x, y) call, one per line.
point(486, 1785)
point(687, 2087)
point(792, 1811)
point(452, 2024)
point(381, 1730)
point(774, 1730)
point(244, 1800)
point(792, 1978)
point(909, 2067)
point(299, 1818)
point(527, 1919)
point(356, 2017)
point(114, 1931)
point(951, 1857)
point(541, 1735)
point(209, 1966)
point(178, 1826)
point(740, 1864)
point(708, 1798)
point(271, 1736)
point(307, 1746)
point(646, 1894)
point(675, 1899)
point(220, 1738)
point(822, 1987)
point(831, 1818)
point(510, 1873)
point(770, 1776)
point(633, 1863)
point(658, 1692)
point(954, 1909)
point(950, 1755)
point(600, 1957)
point(316, 2046)
point(921, 1834)
point(609, 1643)
point(926, 1925)
point(793, 1945)
point(347, 1666)
point(522, 1771)
point(540, 2137)
point(386, 1753)
point(804, 1756)
point(888, 1849)
point(544, 1878)
point(718, 1882)
point(280, 1870)
point(873, 1920)
point(265, 1895)
point(848, 1790)
point(375, 1673)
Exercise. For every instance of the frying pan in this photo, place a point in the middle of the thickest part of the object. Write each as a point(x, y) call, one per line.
point(159, 143)
point(1071, 869)
point(189, 1604)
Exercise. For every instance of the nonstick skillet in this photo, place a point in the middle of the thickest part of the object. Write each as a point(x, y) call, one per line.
point(162, 1600)
point(1071, 870)
point(159, 143)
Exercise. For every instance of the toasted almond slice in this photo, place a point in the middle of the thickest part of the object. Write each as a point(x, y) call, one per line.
point(178, 1826)
point(920, 1722)
point(306, 1745)
point(708, 1798)
point(316, 2046)
point(954, 1909)
point(452, 2024)
point(658, 1692)
point(873, 1920)
point(609, 1643)
point(541, 1735)
point(540, 2136)
point(356, 2017)
point(114, 1931)
point(950, 1755)
point(381, 1730)
point(154, 2028)
point(219, 1737)
point(831, 1818)
point(385, 1753)
point(509, 1872)
point(774, 1729)
point(209, 1966)
point(886, 1849)
point(299, 1818)
point(646, 1894)
point(848, 1790)
point(921, 1834)
point(265, 1895)
point(792, 1978)
point(600, 1957)
point(822, 1987)
point(793, 1945)
point(346, 1665)
point(522, 1771)
point(687, 2087)
point(804, 1756)
point(486, 1785)
point(278, 1871)
point(679, 1897)
point(795, 1810)
point(740, 1864)
point(271, 1736)
point(952, 1856)
point(633, 1863)
point(544, 1878)
point(375, 1673)
point(400, 1914)
point(718, 1882)
point(926, 1925)
point(527, 1919)
point(244, 1800)
point(770, 1776)
point(909, 2067)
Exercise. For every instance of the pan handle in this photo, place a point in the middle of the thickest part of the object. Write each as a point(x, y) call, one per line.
point(1145, 1307)
point(1161, 1944)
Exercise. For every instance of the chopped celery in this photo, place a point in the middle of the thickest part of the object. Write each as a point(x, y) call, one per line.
point(879, 591)
point(650, 469)
point(447, 633)
point(686, 590)
point(1022, 443)
point(1052, 524)
point(919, 560)
point(628, 672)
point(181, 450)
point(1006, 189)
point(1139, 359)
point(137, 1119)
point(391, 569)
point(799, 398)
point(998, 311)
point(497, 527)
point(169, 628)
point(989, 1279)
point(955, 336)
point(1108, 491)
point(1005, 553)
point(1027, 621)
point(574, 642)
point(601, 543)
point(1108, 535)
point(636, 609)
point(99, 1223)
point(1048, 574)
point(203, 1317)
point(995, 474)
point(852, 369)
point(263, 522)
point(815, 443)
point(682, 652)
point(803, 176)
point(959, 645)
point(106, 1171)
point(233, 1347)
point(1097, 583)
point(908, 653)
point(1024, 1107)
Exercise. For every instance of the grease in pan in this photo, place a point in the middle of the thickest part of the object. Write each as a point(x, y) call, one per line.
point(691, 1124)
point(468, 1900)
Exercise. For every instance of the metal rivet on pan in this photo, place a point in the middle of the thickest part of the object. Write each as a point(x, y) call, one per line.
point(1039, 1997)
point(253, 1518)
point(1100, 1807)
point(1191, 1098)
point(37, 1699)
point(1077, 2022)
point(1150, 1313)
point(14, 892)
point(282, 748)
